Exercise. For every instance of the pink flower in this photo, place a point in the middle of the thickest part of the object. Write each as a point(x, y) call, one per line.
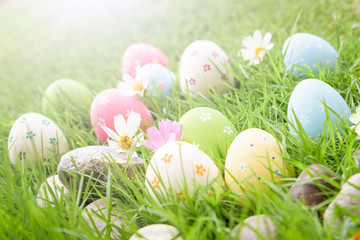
point(168, 131)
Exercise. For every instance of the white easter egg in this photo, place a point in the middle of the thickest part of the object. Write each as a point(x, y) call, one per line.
point(157, 232)
point(178, 164)
point(35, 137)
point(203, 67)
point(52, 190)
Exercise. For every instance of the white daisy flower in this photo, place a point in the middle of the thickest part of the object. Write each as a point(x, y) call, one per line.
point(134, 86)
point(124, 139)
point(256, 47)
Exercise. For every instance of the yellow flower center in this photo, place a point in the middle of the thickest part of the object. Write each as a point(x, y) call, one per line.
point(125, 141)
point(258, 50)
point(137, 86)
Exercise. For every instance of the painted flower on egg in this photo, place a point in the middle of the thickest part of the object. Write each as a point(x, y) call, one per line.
point(179, 166)
point(254, 156)
point(304, 51)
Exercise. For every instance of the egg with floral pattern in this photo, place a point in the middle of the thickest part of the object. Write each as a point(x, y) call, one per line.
point(66, 95)
point(179, 166)
point(34, 137)
point(309, 102)
point(208, 129)
point(160, 78)
point(110, 103)
point(304, 51)
point(204, 69)
point(140, 54)
point(253, 157)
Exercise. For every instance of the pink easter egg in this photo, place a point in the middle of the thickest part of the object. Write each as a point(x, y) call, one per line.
point(112, 102)
point(141, 54)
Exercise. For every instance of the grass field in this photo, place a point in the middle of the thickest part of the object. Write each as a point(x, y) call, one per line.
point(42, 41)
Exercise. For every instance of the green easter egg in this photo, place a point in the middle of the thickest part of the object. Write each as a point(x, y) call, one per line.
point(66, 95)
point(208, 129)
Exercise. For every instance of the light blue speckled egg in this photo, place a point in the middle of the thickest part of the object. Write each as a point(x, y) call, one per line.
point(304, 50)
point(307, 103)
point(160, 78)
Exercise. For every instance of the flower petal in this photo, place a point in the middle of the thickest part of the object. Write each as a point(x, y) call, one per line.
point(354, 118)
point(133, 123)
point(257, 38)
point(120, 124)
point(110, 133)
point(128, 79)
point(266, 40)
point(151, 145)
point(269, 47)
point(164, 129)
point(247, 54)
point(116, 146)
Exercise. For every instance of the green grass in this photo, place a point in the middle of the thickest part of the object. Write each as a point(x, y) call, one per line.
point(41, 41)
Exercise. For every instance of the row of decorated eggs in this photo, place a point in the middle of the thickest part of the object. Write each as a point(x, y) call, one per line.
point(64, 94)
point(205, 67)
point(250, 157)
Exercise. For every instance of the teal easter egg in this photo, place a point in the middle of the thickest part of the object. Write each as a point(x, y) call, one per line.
point(66, 95)
point(161, 79)
point(208, 129)
point(310, 52)
point(307, 105)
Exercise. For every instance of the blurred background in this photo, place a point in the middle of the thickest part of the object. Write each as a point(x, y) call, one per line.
point(45, 40)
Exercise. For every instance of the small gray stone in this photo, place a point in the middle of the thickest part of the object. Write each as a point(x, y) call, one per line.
point(349, 198)
point(50, 191)
point(310, 192)
point(257, 223)
point(156, 232)
point(96, 215)
point(94, 161)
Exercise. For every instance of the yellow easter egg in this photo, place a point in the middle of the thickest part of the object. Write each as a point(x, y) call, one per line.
point(254, 157)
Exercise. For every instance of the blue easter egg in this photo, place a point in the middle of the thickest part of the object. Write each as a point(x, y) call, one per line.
point(160, 78)
point(307, 104)
point(307, 51)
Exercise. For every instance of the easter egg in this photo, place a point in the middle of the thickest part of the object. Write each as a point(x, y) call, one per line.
point(111, 102)
point(208, 129)
point(306, 103)
point(157, 232)
point(203, 68)
point(67, 95)
point(255, 227)
point(139, 54)
point(304, 50)
point(35, 137)
point(254, 156)
point(176, 166)
point(160, 78)
point(51, 191)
